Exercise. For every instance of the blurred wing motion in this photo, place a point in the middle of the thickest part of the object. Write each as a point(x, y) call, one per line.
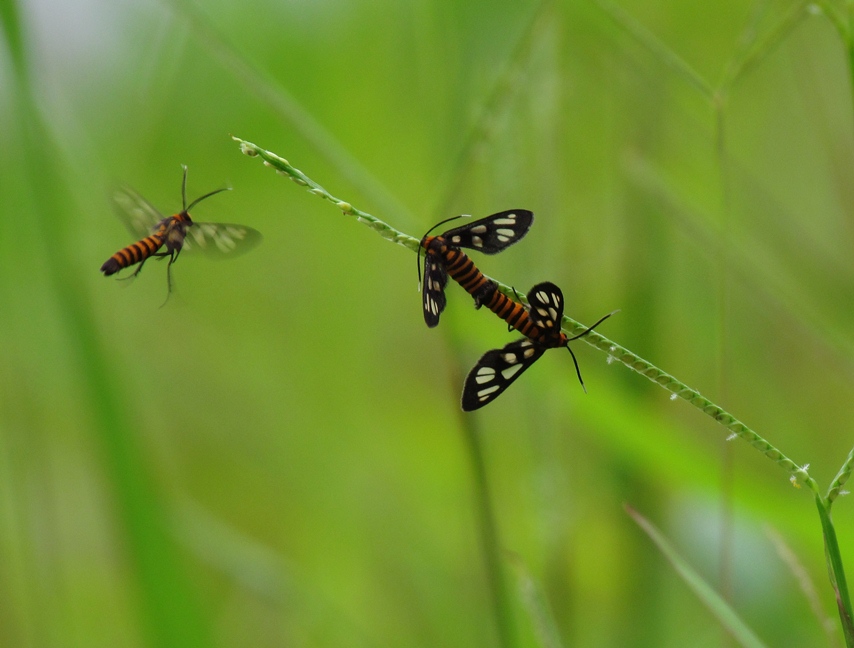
point(492, 234)
point(219, 240)
point(138, 215)
point(497, 370)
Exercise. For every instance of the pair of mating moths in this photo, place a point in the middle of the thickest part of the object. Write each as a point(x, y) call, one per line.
point(540, 324)
point(493, 373)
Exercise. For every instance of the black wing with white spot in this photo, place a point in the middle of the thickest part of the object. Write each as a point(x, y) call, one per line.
point(497, 370)
point(138, 215)
point(492, 234)
point(220, 239)
point(433, 288)
point(546, 306)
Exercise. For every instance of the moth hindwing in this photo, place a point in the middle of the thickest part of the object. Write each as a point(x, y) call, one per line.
point(497, 370)
point(492, 234)
point(221, 239)
point(138, 215)
point(546, 306)
point(433, 289)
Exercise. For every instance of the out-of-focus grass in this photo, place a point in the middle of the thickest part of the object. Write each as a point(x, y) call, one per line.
point(295, 396)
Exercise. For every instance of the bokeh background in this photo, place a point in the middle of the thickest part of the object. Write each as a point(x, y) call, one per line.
point(276, 456)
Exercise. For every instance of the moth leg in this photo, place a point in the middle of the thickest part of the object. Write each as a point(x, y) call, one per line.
point(484, 294)
point(510, 327)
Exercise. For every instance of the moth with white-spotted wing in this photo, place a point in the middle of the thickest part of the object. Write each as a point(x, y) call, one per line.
point(497, 369)
point(177, 233)
point(443, 256)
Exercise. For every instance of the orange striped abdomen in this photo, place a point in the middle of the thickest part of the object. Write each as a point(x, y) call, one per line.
point(514, 314)
point(464, 272)
point(133, 253)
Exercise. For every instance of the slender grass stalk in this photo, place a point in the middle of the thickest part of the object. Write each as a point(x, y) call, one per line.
point(757, 50)
point(624, 21)
point(269, 90)
point(535, 602)
point(491, 550)
point(167, 603)
point(804, 580)
point(728, 618)
point(840, 479)
point(507, 85)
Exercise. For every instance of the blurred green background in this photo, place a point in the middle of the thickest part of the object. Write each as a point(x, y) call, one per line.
point(276, 457)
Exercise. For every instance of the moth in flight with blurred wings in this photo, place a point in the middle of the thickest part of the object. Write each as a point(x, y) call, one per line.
point(177, 233)
point(497, 369)
point(443, 256)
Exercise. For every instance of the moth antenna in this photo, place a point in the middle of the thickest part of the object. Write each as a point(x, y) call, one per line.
point(590, 328)
point(577, 370)
point(184, 188)
point(582, 334)
point(207, 195)
point(197, 200)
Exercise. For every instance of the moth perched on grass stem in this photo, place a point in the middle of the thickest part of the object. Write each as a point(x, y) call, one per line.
point(443, 256)
point(177, 233)
point(497, 369)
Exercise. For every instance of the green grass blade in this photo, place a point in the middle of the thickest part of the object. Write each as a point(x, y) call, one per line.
point(488, 531)
point(805, 582)
point(836, 571)
point(728, 617)
point(168, 606)
point(535, 604)
point(626, 23)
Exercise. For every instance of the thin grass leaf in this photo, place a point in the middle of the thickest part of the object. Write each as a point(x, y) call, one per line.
point(805, 582)
point(836, 571)
point(749, 57)
point(626, 23)
point(488, 531)
point(535, 604)
point(507, 85)
point(768, 282)
point(727, 617)
point(169, 609)
point(271, 92)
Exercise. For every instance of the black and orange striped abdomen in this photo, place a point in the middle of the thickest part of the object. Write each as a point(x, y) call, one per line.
point(514, 314)
point(133, 253)
point(465, 272)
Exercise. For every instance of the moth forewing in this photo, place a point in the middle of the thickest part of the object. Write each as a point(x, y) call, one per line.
point(492, 234)
point(138, 215)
